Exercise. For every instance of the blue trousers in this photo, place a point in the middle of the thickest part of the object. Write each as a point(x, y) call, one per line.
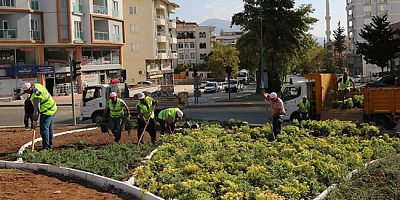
point(46, 130)
point(116, 125)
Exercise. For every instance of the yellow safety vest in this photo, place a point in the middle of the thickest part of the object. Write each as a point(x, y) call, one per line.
point(168, 112)
point(47, 104)
point(345, 84)
point(303, 107)
point(115, 109)
point(147, 112)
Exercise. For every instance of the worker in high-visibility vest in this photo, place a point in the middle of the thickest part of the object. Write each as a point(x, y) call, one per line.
point(168, 118)
point(44, 107)
point(304, 108)
point(344, 85)
point(115, 110)
point(145, 108)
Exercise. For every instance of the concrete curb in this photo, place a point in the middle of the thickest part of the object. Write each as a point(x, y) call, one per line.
point(99, 181)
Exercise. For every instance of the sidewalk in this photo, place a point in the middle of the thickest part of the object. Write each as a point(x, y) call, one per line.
point(228, 104)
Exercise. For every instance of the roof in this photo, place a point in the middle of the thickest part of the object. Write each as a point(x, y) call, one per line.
point(170, 3)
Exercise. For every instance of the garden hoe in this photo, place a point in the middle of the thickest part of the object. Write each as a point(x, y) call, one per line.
point(33, 139)
point(144, 129)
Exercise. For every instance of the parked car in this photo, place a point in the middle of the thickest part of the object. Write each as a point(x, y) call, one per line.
point(384, 81)
point(211, 87)
point(144, 83)
point(357, 78)
point(203, 84)
point(233, 86)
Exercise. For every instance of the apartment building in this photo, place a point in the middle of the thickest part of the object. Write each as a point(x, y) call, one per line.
point(150, 52)
point(194, 42)
point(228, 38)
point(359, 13)
point(39, 37)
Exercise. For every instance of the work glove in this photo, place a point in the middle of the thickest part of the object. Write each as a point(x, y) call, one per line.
point(34, 124)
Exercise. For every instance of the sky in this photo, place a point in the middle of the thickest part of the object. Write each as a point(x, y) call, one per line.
point(201, 10)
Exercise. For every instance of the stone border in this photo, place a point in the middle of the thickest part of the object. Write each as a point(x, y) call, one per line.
point(97, 180)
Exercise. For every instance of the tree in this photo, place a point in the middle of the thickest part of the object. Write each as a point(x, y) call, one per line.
point(249, 53)
point(283, 25)
point(338, 44)
point(222, 56)
point(380, 45)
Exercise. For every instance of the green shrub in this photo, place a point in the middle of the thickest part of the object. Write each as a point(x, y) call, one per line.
point(358, 101)
point(348, 103)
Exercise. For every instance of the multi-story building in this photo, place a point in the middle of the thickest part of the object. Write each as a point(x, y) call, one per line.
point(228, 38)
point(194, 42)
point(150, 52)
point(359, 13)
point(38, 38)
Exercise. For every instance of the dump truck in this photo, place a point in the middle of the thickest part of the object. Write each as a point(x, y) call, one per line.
point(95, 97)
point(381, 105)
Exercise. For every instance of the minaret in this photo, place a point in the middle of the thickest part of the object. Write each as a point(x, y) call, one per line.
point(328, 22)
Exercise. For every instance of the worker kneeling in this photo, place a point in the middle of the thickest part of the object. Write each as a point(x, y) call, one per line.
point(168, 118)
point(115, 106)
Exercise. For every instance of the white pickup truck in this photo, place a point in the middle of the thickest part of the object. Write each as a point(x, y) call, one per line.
point(95, 97)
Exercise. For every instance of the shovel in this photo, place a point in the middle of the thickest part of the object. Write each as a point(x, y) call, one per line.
point(33, 139)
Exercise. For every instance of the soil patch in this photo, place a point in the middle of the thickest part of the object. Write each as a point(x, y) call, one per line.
point(18, 184)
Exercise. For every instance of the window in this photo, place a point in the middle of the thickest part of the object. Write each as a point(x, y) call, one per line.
point(181, 56)
point(91, 93)
point(202, 35)
point(116, 36)
point(187, 56)
point(5, 24)
point(367, 8)
point(132, 10)
point(203, 45)
point(7, 3)
point(135, 46)
point(192, 45)
point(186, 45)
point(291, 93)
point(180, 45)
point(203, 56)
point(115, 5)
point(192, 56)
point(134, 28)
point(78, 30)
point(35, 34)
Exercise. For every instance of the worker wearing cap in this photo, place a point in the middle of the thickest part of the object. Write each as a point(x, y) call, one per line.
point(278, 112)
point(145, 107)
point(115, 107)
point(344, 85)
point(304, 108)
point(45, 107)
point(168, 118)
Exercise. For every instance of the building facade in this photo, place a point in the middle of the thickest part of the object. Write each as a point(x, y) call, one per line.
point(194, 42)
point(150, 41)
point(228, 38)
point(40, 37)
point(359, 13)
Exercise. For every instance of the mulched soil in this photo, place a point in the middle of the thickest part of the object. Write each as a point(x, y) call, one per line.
point(16, 184)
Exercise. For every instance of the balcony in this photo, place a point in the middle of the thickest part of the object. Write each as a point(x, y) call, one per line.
point(115, 13)
point(171, 10)
point(173, 40)
point(160, 21)
point(162, 54)
point(173, 55)
point(34, 4)
point(35, 35)
point(8, 3)
point(116, 38)
point(161, 37)
point(98, 35)
point(8, 33)
point(78, 36)
point(78, 8)
point(172, 24)
point(100, 9)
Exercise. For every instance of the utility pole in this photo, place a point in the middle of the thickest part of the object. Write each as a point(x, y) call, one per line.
point(261, 67)
point(228, 69)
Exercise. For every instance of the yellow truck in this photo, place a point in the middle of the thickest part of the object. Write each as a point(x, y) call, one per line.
point(381, 105)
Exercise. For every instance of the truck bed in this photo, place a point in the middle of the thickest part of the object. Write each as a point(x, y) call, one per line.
point(385, 100)
point(343, 114)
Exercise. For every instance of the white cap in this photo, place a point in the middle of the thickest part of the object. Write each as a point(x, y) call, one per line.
point(305, 96)
point(179, 113)
point(25, 86)
point(273, 95)
point(140, 96)
point(113, 94)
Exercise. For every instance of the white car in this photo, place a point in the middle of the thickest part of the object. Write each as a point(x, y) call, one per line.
point(357, 79)
point(203, 84)
point(211, 87)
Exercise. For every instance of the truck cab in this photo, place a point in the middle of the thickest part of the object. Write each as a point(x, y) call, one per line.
point(94, 100)
point(291, 97)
